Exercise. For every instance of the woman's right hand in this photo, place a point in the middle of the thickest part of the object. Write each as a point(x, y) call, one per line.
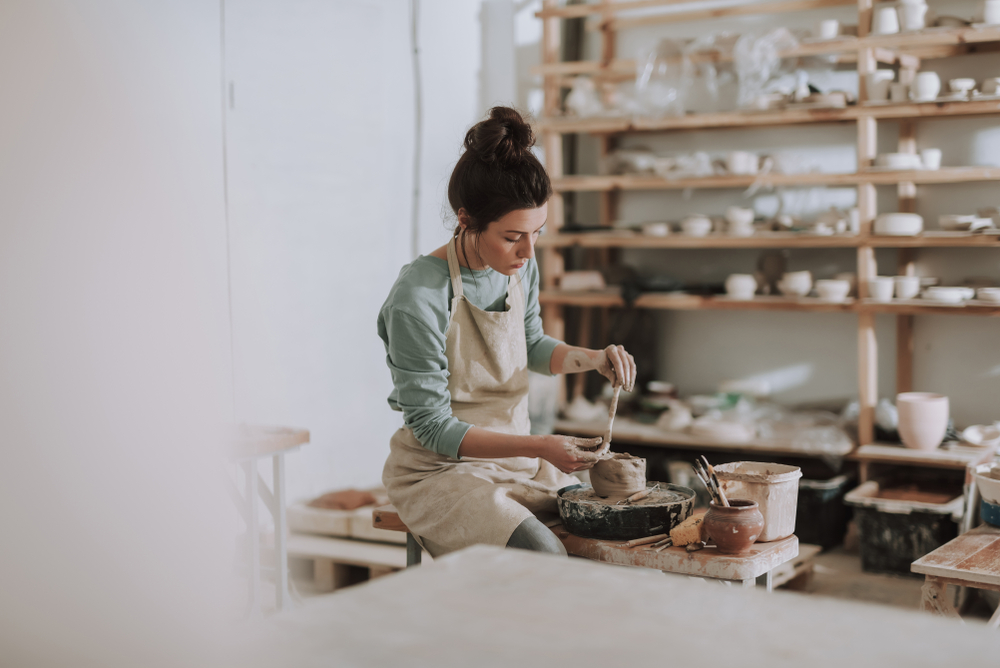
point(571, 453)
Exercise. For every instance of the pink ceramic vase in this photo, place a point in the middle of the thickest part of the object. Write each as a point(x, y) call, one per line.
point(734, 528)
point(923, 419)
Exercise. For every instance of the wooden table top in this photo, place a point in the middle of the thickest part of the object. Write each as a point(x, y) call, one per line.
point(706, 563)
point(973, 557)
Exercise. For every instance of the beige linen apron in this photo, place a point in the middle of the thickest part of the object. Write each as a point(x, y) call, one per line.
point(452, 503)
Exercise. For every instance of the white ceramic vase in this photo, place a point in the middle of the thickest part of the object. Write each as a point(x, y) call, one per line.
point(927, 86)
point(923, 419)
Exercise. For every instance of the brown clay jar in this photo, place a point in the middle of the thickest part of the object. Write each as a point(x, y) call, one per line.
point(733, 529)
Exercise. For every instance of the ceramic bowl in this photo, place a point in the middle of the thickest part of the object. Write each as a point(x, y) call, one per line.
point(899, 161)
point(739, 216)
point(795, 283)
point(986, 435)
point(988, 295)
point(741, 286)
point(657, 229)
point(881, 288)
point(713, 429)
point(988, 485)
point(697, 226)
point(899, 224)
point(954, 223)
point(946, 295)
point(833, 290)
point(962, 85)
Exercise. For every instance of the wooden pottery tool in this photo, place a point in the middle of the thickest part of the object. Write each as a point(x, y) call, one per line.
point(611, 415)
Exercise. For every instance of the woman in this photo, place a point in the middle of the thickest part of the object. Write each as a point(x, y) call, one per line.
point(461, 328)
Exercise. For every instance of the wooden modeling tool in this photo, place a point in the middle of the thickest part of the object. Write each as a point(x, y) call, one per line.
point(611, 416)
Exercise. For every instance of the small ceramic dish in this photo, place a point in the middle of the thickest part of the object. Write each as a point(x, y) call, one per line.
point(985, 435)
point(988, 295)
point(956, 223)
point(962, 85)
point(946, 295)
point(987, 482)
point(833, 290)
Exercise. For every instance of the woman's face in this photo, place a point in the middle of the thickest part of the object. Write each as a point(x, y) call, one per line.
point(508, 242)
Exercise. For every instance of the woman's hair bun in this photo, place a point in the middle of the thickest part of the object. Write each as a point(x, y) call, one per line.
point(504, 137)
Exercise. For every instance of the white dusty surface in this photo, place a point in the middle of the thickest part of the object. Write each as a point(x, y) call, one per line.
point(485, 606)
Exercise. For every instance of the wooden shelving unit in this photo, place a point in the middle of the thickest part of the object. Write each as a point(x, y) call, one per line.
point(905, 51)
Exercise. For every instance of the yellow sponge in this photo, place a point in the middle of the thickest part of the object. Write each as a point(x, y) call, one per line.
point(688, 531)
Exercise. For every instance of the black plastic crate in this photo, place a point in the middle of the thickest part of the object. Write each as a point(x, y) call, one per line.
point(893, 533)
point(821, 514)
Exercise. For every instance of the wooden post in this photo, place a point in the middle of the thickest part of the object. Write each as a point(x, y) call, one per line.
point(907, 190)
point(867, 352)
point(552, 260)
point(904, 329)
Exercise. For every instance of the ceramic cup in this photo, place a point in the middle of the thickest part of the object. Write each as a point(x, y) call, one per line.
point(880, 288)
point(742, 162)
point(795, 283)
point(899, 93)
point(656, 229)
point(885, 21)
point(907, 287)
point(828, 29)
point(878, 83)
point(923, 419)
point(926, 87)
point(741, 286)
point(991, 86)
point(913, 14)
point(697, 226)
point(931, 157)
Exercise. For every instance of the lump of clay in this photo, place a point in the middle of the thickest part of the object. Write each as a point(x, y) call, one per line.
point(618, 476)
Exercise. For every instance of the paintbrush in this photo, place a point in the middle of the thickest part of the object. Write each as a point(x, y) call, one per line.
point(703, 475)
point(715, 479)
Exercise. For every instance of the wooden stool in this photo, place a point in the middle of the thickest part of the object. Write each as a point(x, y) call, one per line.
point(387, 518)
point(971, 560)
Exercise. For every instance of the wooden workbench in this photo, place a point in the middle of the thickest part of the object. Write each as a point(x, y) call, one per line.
point(971, 560)
point(705, 563)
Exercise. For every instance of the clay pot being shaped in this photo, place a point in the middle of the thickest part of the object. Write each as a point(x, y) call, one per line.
point(735, 528)
point(923, 419)
point(618, 476)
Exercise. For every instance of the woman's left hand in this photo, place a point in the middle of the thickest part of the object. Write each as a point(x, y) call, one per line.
point(618, 366)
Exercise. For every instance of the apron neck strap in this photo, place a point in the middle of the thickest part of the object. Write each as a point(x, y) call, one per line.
point(454, 269)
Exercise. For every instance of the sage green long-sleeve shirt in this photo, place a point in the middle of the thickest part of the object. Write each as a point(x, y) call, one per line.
point(413, 323)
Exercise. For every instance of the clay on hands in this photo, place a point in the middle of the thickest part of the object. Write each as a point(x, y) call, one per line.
point(578, 360)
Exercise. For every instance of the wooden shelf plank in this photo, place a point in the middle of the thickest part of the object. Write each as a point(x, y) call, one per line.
point(753, 9)
point(932, 37)
point(630, 431)
point(629, 239)
point(958, 458)
point(747, 119)
point(625, 238)
point(595, 183)
point(923, 307)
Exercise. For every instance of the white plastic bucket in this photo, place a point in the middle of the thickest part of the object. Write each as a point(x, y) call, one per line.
point(775, 488)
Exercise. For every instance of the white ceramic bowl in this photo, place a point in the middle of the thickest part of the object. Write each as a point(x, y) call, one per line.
point(988, 295)
point(899, 224)
point(988, 486)
point(946, 295)
point(796, 283)
point(658, 229)
point(741, 286)
point(907, 287)
point(986, 435)
point(899, 161)
point(962, 85)
point(955, 223)
point(833, 290)
point(697, 226)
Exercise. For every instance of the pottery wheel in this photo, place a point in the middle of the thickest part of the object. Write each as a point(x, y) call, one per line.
point(587, 515)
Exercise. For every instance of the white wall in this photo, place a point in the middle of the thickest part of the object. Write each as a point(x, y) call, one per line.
point(320, 135)
point(114, 334)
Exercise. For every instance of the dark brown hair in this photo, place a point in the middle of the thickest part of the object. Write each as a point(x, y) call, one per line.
point(497, 173)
